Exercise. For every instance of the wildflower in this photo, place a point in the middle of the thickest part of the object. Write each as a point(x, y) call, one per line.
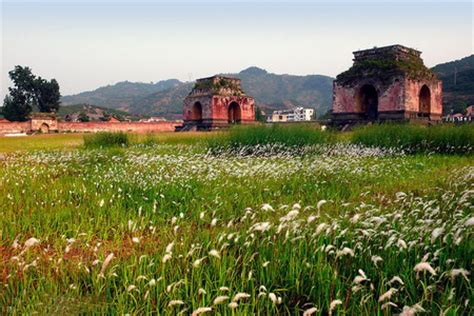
point(31, 242)
point(214, 253)
point(387, 295)
point(424, 266)
point(220, 299)
point(106, 264)
point(240, 296)
point(333, 305)
point(201, 310)
point(310, 311)
point(175, 302)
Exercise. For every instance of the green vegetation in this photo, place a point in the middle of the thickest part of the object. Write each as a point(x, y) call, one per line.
point(29, 93)
point(106, 139)
point(289, 135)
point(163, 226)
point(444, 138)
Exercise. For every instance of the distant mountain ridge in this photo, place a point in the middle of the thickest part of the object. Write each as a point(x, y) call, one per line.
point(165, 98)
point(271, 91)
point(458, 84)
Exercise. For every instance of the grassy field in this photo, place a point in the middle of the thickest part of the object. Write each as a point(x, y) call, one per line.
point(167, 226)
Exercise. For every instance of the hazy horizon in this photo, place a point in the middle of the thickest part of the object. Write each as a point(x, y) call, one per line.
point(85, 45)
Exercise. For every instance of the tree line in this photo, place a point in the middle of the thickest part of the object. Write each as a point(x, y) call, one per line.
point(29, 93)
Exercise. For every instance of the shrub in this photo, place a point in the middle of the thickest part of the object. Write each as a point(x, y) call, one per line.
point(291, 135)
point(106, 139)
point(416, 138)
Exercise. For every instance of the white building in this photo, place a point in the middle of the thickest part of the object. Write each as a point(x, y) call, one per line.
point(298, 114)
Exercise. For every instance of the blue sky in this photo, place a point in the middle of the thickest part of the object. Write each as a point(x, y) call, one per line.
point(87, 44)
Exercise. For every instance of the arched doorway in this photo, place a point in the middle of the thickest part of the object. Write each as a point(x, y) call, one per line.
point(424, 101)
point(196, 113)
point(44, 128)
point(368, 100)
point(234, 111)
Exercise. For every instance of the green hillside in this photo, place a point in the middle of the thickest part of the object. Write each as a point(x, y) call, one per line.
point(458, 84)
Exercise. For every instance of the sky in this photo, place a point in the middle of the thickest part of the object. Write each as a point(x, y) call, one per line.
point(87, 44)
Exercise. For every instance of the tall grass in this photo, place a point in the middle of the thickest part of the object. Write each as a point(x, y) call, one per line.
point(418, 139)
point(106, 139)
point(297, 135)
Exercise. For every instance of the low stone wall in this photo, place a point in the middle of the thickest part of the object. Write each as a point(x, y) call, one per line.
point(14, 127)
point(137, 127)
point(90, 127)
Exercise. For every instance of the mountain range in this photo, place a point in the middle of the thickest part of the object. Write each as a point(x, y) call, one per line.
point(165, 98)
point(271, 91)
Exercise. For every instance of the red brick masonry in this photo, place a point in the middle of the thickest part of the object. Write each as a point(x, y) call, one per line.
point(79, 127)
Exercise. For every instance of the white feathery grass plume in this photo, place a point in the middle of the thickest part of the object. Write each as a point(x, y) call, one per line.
point(402, 244)
point(386, 305)
point(265, 264)
point(201, 310)
point(166, 257)
point(152, 282)
point(345, 251)
point(424, 266)
point(310, 311)
point(220, 299)
point(224, 289)
point(131, 288)
point(267, 208)
point(376, 260)
point(240, 296)
point(202, 291)
point(198, 262)
point(136, 240)
point(321, 227)
point(320, 204)
point(396, 279)
point(296, 206)
point(290, 216)
point(411, 310)
point(436, 233)
point(233, 305)
point(463, 272)
point(387, 295)
point(169, 248)
point(175, 302)
point(214, 222)
point(106, 264)
point(355, 218)
point(261, 226)
point(275, 300)
point(311, 218)
point(333, 305)
point(201, 215)
point(214, 253)
point(31, 242)
point(469, 222)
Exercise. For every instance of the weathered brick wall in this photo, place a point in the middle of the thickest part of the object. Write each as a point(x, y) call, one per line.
point(14, 127)
point(220, 107)
point(137, 127)
point(51, 123)
point(413, 89)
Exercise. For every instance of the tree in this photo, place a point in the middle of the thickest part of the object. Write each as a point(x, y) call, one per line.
point(28, 93)
point(259, 117)
point(83, 117)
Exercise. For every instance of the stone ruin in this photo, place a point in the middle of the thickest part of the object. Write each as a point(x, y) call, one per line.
point(217, 102)
point(385, 84)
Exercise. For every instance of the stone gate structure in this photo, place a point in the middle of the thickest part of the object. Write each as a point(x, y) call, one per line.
point(217, 102)
point(387, 83)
